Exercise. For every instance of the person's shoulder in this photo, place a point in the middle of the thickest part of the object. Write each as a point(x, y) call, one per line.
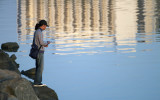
point(38, 31)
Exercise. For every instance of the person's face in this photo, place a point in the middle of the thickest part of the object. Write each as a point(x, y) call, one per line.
point(43, 27)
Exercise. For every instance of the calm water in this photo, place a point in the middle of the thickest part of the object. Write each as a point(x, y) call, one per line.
point(100, 50)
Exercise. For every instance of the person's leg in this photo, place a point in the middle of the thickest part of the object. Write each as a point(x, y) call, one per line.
point(39, 68)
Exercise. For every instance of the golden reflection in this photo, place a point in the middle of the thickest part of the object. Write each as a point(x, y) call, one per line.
point(59, 16)
point(126, 25)
point(51, 13)
point(68, 19)
point(77, 16)
point(95, 15)
point(104, 16)
point(83, 24)
point(86, 6)
point(150, 22)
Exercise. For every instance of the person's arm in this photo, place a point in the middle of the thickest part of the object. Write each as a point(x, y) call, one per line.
point(41, 40)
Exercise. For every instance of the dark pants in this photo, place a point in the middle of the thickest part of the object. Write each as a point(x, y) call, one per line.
point(39, 68)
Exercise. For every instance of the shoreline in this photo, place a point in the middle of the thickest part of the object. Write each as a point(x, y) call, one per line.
point(15, 87)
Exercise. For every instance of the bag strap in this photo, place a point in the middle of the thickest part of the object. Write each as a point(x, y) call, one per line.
point(39, 48)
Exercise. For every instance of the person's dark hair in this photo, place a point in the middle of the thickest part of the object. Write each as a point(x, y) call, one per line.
point(37, 26)
point(42, 22)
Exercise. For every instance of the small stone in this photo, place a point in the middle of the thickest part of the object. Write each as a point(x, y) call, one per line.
point(29, 73)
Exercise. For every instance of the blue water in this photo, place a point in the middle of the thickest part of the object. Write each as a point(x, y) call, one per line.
point(100, 50)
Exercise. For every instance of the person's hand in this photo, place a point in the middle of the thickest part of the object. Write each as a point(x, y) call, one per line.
point(46, 46)
point(48, 42)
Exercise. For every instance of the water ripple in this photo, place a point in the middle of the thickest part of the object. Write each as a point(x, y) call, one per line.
point(84, 25)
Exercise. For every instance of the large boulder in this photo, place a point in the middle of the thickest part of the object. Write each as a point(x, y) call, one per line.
point(3, 96)
point(10, 46)
point(13, 87)
point(45, 93)
point(8, 63)
point(8, 75)
point(4, 76)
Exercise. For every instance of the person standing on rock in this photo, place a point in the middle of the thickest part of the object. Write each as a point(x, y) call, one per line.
point(38, 36)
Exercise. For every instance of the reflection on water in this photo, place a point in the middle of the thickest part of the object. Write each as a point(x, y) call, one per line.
point(83, 26)
point(100, 50)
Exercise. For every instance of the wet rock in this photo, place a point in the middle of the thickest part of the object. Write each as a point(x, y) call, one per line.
point(29, 73)
point(12, 85)
point(45, 93)
point(8, 63)
point(10, 46)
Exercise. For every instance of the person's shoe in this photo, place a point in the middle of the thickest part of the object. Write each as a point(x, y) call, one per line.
point(40, 84)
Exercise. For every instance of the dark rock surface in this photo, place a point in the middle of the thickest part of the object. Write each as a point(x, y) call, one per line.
point(14, 87)
point(29, 73)
point(8, 75)
point(45, 93)
point(8, 63)
point(13, 57)
point(10, 46)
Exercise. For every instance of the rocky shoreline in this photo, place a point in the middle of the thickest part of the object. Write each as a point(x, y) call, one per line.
point(15, 87)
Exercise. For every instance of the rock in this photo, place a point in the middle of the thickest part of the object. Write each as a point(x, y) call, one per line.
point(12, 85)
point(13, 57)
point(7, 63)
point(3, 96)
point(45, 93)
point(10, 46)
point(11, 97)
point(8, 75)
point(29, 73)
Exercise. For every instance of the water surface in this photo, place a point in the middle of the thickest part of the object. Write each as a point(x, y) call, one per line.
point(100, 50)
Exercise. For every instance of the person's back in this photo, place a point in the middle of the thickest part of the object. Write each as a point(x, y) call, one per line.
point(39, 39)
